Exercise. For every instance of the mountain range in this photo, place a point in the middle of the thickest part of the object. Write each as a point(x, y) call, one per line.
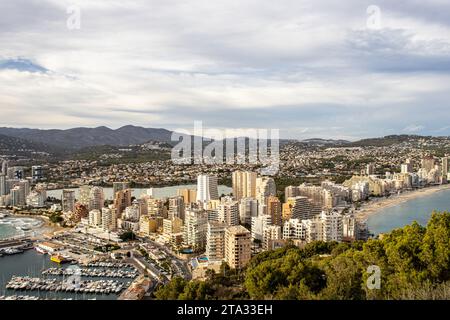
point(78, 138)
point(70, 140)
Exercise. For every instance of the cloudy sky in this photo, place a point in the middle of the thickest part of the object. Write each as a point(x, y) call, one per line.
point(331, 69)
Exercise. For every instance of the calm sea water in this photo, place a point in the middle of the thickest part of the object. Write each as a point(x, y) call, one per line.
point(419, 209)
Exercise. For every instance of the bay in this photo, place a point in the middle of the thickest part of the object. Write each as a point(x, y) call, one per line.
point(418, 209)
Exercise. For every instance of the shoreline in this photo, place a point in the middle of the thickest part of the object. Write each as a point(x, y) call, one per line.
point(374, 206)
point(38, 231)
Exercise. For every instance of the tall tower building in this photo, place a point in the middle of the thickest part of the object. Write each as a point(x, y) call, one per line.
point(176, 207)
point(189, 195)
point(195, 228)
point(244, 184)
point(155, 208)
point(215, 241)
point(229, 213)
point(3, 185)
point(68, 200)
point(248, 208)
point(445, 168)
point(17, 196)
point(109, 219)
point(122, 200)
point(207, 189)
point(237, 246)
point(96, 199)
point(274, 209)
point(4, 168)
point(85, 192)
point(265, 187)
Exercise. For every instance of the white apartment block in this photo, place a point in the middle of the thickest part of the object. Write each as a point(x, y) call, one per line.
point(215, 241)
point(228, 213)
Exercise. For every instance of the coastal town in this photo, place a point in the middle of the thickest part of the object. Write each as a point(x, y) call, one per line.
point(107, 240)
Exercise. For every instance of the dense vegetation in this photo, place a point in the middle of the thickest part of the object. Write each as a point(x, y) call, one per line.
point(414, 262)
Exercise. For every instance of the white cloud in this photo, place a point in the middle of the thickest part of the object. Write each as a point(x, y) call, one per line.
point(301, 66)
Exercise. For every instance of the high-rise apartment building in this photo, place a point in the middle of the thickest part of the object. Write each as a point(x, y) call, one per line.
point(37, 198)
point(248, 208)
point(445, 168)
point(122, 200)
point(109, 218)
point(299, 208)
point(259, 223)
point(207, 189)
point(244, 184)
point(68, 200)
point(176, 207)
point(172, 225)
point(237, 246)
point(96, 199)
point(189, 195)
point(195, 228)
point(271, 234)
point(95, 218)
point(155, 208)
point(265, 187)
point(4, 169)
point(274, 209)
point(291, 192)
point(3, 186)
point(85, 192)
point(215, 241)
point(229, 213)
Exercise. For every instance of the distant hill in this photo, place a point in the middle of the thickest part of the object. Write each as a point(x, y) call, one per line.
point(390, 140)
point(12, 145)
point(325, 142)
point(78, 138)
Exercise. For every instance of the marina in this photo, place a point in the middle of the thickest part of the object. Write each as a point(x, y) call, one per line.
point(32, 265)
point(81, 286)
point(92, 272)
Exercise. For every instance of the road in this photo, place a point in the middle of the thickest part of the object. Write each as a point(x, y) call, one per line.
point(180, 265)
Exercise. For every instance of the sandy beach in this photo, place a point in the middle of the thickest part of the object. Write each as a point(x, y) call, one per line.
point(375, 205)
point(44, 228)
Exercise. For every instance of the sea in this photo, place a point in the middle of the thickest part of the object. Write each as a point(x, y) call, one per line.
point(418, 209)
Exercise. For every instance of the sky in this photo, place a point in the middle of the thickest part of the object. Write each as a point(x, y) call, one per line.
point(312, 69)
